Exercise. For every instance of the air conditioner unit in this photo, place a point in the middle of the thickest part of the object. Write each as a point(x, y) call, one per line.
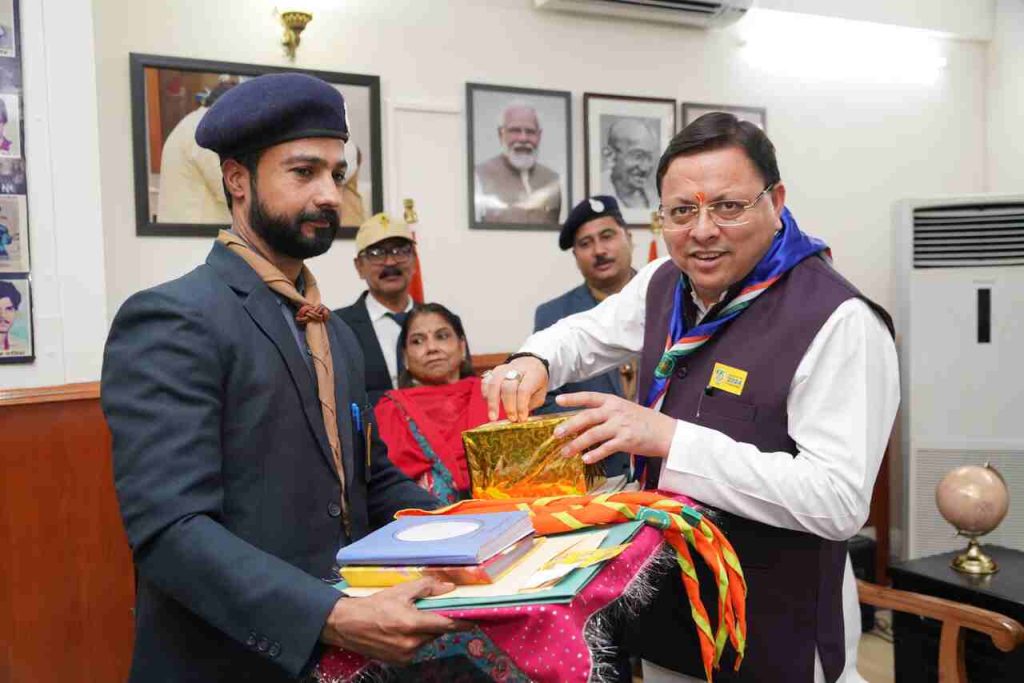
point(702, 13)
point(960, 325)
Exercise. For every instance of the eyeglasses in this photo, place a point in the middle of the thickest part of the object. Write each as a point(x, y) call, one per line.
point(400, 252)
point(725, 213)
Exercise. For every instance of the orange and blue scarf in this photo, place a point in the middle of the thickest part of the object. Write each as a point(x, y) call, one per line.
point(789, 247)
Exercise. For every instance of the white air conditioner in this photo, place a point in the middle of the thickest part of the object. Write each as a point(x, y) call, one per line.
point(960, 323)
point(702, 13)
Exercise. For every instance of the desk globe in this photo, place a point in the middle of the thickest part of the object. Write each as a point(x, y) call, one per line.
point(974, 500)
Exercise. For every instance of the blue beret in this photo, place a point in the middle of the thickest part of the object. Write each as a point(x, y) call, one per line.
point(586, 211)
point(272, 109)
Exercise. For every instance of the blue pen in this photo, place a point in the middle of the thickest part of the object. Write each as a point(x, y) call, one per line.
point(356, 417)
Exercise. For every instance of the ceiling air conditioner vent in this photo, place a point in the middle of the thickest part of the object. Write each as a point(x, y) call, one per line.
point(969, 235)
point(702, 13)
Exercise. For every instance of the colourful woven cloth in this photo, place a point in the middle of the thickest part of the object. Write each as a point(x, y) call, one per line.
point(681, 526)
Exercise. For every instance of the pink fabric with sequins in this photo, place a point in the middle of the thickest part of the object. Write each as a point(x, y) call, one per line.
point(545, 641)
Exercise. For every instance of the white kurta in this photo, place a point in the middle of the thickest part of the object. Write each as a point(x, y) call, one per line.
point(842, 404)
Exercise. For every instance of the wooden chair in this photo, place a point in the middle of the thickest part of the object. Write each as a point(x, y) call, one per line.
point(1006, 633)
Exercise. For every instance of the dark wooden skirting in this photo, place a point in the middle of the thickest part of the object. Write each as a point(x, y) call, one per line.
point(485, 361)
point(66, 585)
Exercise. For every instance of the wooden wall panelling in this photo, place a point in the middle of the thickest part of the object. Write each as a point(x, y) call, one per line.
point(66, 587)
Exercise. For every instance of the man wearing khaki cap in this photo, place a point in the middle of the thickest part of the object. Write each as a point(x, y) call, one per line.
point(386, 260)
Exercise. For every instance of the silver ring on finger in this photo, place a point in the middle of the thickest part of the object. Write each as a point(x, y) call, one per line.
point(514, 375)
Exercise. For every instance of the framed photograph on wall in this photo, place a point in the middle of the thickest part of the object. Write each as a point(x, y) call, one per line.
point(520, 157)
point(625, 137)
point(13, 235)
point(178, 190)
point(16, 339)
point(756, 115)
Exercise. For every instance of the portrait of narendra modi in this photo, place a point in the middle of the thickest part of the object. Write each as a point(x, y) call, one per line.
point(519, 157)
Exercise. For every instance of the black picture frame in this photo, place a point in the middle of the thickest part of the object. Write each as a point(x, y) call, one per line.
point(145, 223)
point(693, 110)
point(482, 100)
point(23, 284)
point(658, 114)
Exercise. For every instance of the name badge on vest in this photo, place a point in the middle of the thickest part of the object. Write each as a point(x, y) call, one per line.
point(728, 378)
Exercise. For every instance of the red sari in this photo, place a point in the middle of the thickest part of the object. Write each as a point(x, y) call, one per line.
point(440, 413)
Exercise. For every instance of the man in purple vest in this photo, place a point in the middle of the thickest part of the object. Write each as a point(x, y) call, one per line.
point(770, 404)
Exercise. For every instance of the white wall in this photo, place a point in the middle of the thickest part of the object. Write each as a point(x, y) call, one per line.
point(62, 160)
point(1006, 99)
point(848, 147)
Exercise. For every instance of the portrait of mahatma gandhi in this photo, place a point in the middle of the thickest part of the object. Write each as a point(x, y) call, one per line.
point(630, 157)
point(519, 156)
point(625, 136)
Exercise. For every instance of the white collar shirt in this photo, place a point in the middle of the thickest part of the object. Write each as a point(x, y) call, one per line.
point(387, 330)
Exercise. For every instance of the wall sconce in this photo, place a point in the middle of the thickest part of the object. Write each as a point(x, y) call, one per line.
point(294, 23)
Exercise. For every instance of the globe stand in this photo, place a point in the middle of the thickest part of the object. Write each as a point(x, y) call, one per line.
point(974, 561)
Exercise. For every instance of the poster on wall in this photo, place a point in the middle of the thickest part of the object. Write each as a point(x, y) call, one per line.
point(16, 338)
point(16, 342)
point(624, 140)
point(520, 157)
point(178, 190)
point(8, 31)
point(13, 235)
point(756, 115)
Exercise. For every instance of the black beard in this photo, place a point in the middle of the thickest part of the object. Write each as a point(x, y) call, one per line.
point(285, 236)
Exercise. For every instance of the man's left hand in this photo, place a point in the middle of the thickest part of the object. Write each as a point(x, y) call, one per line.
point(613, 424)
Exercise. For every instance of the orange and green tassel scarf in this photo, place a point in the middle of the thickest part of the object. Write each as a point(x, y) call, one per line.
point(683, 527)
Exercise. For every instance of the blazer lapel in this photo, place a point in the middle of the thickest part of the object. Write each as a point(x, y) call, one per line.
point(362, 326)
point(265, 310)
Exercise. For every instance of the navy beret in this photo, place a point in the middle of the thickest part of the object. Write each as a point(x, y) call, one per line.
point(271, 109)
point(586, 211)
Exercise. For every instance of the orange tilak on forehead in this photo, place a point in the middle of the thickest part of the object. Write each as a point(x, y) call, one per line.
point(700, 197)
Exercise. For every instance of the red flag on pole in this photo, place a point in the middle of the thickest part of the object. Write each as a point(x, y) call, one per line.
point(416, 286)
point(652, 251)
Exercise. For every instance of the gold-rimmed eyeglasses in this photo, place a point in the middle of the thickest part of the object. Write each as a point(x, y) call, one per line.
point(725, 213)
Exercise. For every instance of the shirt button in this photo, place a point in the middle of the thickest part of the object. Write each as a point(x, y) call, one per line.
point(251, 640)
point(263, 645)
point(681, 372)
point(275, 650)
point(333, 509)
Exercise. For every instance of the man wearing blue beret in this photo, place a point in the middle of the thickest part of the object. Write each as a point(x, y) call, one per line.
point(244, 450)
point(603, 249)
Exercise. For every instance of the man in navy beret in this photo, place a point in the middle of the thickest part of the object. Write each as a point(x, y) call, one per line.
point(243, 447)
point(603, 248)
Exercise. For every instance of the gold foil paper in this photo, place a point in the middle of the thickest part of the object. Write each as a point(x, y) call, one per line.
point(524, 459)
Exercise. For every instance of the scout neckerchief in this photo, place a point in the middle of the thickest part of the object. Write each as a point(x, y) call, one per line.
point(312, 315)
point(682, 526)
point(789, 247)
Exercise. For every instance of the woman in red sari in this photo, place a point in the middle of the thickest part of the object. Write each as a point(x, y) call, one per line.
point(438, 399)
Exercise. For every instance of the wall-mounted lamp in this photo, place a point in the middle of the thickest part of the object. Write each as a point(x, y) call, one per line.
point(293, 22)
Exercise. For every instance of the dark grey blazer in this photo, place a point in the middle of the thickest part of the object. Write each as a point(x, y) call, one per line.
point(576, 301)
point(378, 379)
point(227, 489)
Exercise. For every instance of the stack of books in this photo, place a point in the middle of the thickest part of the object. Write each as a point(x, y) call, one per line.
point(464, 550)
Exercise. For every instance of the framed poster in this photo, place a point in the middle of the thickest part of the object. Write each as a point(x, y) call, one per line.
point(756, 115)
point(16, 342)
point(520, 157)
point(625, 137)
point(178, 190)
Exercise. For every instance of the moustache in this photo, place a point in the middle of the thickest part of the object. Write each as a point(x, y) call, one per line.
point(329, 216)
point(602, 261)
point(390, 271)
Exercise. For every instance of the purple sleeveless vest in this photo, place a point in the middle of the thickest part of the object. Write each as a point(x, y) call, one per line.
point(794, 599)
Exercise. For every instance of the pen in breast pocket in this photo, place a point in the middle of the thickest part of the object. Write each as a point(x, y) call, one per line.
point(357, 419)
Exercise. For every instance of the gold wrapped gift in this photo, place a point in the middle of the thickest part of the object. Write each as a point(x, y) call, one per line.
point(524, 459)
